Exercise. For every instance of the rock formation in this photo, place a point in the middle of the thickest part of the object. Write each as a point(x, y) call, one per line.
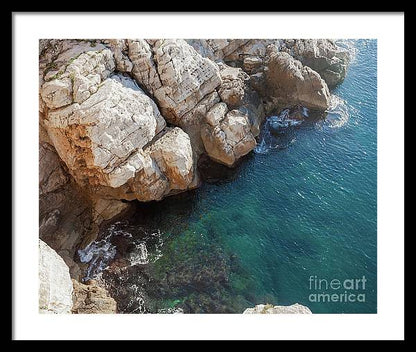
point(321, 55)
point(103, 125)
point(92, 298)
point(229, 138)
point(234, 52)
point(186, 86)
point(280, 80)
point(65, 212)
point(55, 286)
point(270, 309)
point(288, 83)
point(58, 294)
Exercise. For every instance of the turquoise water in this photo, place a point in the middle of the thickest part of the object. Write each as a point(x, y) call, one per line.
point(307, 208)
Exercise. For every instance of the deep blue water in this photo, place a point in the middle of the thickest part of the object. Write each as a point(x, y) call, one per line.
point(288, 214)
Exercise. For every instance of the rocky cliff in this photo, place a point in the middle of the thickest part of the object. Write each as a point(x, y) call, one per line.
point(123, 120)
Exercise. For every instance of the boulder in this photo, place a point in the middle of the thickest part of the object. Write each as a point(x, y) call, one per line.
point(230, 139)
point(290, 83)
point(270, 309)
point(55, 286)
point(233, 85)
point(144, 69)
point(120, 50)
point(173, 154)
point(74, 73)
point(166, 166)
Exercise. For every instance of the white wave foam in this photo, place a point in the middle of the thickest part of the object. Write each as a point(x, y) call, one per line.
point(136, 299)
point(338, 113)
point(139, 255)
point(170, 311)
point(157, 237)
point(98, 254)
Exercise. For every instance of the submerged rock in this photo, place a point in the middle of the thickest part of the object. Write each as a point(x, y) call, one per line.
point(287, 118)
point(270, 309)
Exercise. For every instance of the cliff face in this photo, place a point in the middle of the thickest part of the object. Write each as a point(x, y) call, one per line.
point(105, 104)
point(130, 119)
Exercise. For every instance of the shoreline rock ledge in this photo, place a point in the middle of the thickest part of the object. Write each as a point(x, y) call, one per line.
point(270, 309)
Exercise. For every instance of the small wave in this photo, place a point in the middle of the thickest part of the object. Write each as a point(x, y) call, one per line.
point(301, 195)
point(337, 115)
point(338, 111)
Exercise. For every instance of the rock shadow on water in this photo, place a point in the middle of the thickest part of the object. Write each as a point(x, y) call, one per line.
point(158, 265)
point(214, 173)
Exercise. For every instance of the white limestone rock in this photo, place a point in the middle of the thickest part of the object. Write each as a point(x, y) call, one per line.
point(270, 309)
point(74, 73)
point(98, 139)
point(229, 140)
point(174, 73)
point(173, 155)
point(55, 285)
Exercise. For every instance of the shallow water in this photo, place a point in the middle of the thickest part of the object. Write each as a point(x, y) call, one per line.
point(301, 208)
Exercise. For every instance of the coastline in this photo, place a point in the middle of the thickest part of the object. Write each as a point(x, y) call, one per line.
point(101, 193)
